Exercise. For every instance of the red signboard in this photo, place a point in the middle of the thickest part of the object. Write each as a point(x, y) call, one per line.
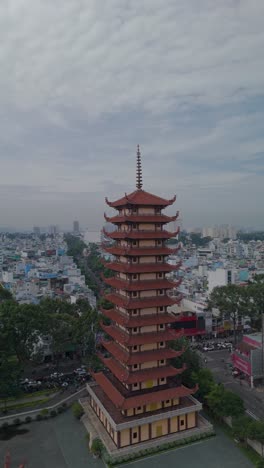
point(241, 365)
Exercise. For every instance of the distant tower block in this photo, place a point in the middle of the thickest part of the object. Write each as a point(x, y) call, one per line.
point(76, 227)
point(140, 397)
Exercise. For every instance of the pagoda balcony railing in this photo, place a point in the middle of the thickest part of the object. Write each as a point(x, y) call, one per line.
point(133, 213)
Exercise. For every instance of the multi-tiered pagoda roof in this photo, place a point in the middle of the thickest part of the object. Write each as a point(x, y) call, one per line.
point(136, 352)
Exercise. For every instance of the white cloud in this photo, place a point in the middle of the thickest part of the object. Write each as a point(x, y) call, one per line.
point(83, 81)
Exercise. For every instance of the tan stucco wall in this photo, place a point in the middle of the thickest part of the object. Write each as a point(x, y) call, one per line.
point(146, 210)
point(149, 293)
point(148, 347)
point(135, 440)
point(182, 427)
point(146, 227)
point(175, 401)
point(148, 365)
point(147, 259)
point(148, 311)
point(174, 424)
point(147, 276)
point(147, 243)
point(167, 404)
point(123, 276)
point(150, 328)
point(191, 420)
point(145, 432)
point(124, 437)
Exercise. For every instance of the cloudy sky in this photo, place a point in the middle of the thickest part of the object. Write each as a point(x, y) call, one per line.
point(82, 82)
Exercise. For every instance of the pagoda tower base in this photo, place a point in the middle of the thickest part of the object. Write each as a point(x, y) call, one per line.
point(161, 427)
point(99, 426)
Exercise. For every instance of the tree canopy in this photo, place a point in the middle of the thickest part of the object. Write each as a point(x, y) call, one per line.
point(232, 302)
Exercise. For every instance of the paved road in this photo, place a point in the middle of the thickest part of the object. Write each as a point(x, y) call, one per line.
point(217, 362)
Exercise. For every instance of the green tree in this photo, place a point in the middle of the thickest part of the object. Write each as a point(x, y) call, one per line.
point(205, 380)
point(5, 295)
point(232, 302)
point(256, 431)
point(224, 403)
point(10, 372)
point(233, 405)
point(189, 358)
point(21, 326)
point(240, 427)
point(97, 447)
point(255, 296)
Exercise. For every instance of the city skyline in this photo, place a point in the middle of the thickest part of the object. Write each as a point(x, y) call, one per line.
point(83, 83)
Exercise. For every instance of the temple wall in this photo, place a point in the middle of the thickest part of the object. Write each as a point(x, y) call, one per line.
point(148, 365)
point(149, 311)
point(146, 227)
point(150, 293)
point(191, 420)
point(124, 437)
point(174, 424)
point(147, 243)
point(144, 432)
point(148, 347)
point(147, 259)
point(146, 211)
point(147, 276)
point(182, 422)
point(150, 328)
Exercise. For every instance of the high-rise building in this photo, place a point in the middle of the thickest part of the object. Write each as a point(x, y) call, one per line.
point(36, 230)
point(76, 227)
point(140, 397)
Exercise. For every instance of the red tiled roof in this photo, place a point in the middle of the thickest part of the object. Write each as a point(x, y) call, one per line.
point(141, 234)
point(141, 267)
point(162, 219)
point(141, 338)
point(143, 285)
point(138, 358)
point(138, 320)
point(146, 302)
point(124, 251)
point(140, 197)
point(139, 400)
point(124, 376)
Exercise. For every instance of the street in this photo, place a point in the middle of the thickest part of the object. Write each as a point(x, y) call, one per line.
point(217, 362)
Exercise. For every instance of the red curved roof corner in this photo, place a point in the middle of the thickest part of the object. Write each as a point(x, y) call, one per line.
point(140, 198)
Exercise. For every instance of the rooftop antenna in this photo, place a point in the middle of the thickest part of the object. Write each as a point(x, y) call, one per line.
point(139, 183)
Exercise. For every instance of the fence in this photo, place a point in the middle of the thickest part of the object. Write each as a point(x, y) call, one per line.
point(10, 419)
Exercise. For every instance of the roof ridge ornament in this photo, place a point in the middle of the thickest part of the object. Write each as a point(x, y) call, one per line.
point(139, 179)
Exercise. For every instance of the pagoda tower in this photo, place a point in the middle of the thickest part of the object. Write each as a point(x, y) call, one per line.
point(139, 396)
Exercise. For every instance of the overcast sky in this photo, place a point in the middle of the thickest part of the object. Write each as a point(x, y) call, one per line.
point(82, 82)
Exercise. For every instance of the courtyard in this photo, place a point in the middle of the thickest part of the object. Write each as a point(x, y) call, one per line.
point(62, 443)
point(216, 452)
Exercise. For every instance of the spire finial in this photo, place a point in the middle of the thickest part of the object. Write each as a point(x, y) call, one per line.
point(139, 183)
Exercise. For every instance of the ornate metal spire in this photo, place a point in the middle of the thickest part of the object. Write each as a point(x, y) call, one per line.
point(139, 183)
